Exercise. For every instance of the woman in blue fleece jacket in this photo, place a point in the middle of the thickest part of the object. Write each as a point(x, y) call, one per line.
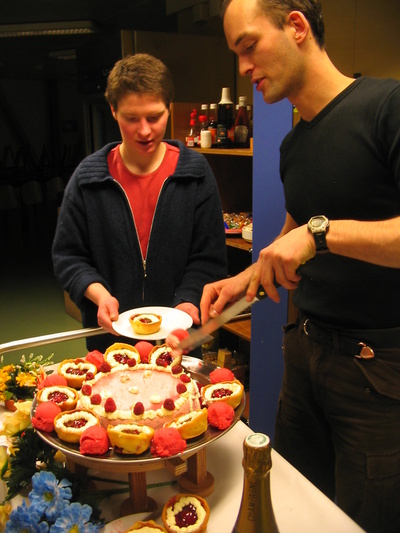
point(141, 221)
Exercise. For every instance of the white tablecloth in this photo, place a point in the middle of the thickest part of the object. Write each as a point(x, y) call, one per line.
point(299, 506)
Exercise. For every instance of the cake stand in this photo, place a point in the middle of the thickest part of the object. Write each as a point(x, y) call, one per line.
point(189, 467)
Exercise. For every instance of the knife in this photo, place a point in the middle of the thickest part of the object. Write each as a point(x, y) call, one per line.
point(202, 335)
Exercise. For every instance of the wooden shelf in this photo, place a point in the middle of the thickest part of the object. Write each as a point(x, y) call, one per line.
point(246, 152)
point(238, 242)
point(240, 327)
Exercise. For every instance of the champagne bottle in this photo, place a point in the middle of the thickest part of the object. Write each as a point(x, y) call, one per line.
point(256, 514)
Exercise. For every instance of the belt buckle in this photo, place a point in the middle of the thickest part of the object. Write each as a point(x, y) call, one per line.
point(366, 352)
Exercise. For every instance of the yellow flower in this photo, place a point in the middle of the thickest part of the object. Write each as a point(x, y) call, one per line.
point(5, 510)
point(26, 379)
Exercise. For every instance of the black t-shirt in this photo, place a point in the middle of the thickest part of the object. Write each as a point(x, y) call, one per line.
point(345, 164)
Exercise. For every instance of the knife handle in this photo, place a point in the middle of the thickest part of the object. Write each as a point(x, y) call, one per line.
point(261, 294)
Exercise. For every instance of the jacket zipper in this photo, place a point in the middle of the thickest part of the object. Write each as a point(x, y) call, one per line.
point(144, 264)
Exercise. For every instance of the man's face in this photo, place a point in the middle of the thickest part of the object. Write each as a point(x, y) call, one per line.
point(142, 120)
point(266, 53)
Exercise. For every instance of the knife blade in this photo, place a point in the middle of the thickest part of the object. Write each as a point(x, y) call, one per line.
point(202, 335)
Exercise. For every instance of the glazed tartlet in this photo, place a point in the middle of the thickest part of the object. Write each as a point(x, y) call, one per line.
point(69, 425)
point(230, 392)
point(120, 353)
point(65, 397)
point(161, 355)
point(145, 323)
point(186, 512)
point(130, 438)
point(191, 425)
point(75, 371)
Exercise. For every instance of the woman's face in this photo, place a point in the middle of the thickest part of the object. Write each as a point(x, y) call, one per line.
point(142, 120)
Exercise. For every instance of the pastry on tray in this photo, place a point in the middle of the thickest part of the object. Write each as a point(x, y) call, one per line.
point(130, 438)
point(69, 425)
point(191, 425)
point(145, 323)
point(76, 371)
point(65, 397)
point(230, 392)
point(120, 353)
point(186, 512)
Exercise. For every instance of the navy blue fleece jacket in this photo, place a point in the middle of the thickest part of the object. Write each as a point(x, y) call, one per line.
point(96, 238)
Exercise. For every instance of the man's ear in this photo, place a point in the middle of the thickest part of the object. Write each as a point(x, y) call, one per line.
point(300, 25)
point(113, 111)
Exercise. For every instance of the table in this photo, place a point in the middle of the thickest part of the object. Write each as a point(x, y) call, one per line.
point(299, 506)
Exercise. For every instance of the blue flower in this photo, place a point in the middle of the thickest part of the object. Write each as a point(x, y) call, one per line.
point(25, 520)
point(48, 496)
point(75, 519)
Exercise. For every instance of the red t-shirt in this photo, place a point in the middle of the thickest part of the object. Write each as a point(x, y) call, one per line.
point(143, 190)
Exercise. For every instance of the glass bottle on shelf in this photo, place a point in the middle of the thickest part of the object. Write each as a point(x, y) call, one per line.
point(256, 514)
point(212, 123)
point(192, 138)
point(242, 125)
point(225, 118)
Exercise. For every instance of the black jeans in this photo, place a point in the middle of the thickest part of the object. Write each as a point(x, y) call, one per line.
point(337, 429)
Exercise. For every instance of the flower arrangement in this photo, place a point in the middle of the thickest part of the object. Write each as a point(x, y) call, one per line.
point(19, 381)
point(50, 509)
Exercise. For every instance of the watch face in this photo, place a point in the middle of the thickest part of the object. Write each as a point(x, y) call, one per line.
point(317, 222)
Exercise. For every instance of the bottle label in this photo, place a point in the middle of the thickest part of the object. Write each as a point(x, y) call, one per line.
point(190, 141)
point(257, 440)
point(241, 134)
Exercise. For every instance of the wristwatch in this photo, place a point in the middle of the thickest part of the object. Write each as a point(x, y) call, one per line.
point(318, 226)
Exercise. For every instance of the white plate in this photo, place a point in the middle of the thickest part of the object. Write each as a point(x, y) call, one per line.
point(171, 319)
point(122, 524)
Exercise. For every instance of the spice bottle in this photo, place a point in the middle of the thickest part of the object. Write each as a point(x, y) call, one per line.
point(242, 125)
point(225, 118)
point(256, 514)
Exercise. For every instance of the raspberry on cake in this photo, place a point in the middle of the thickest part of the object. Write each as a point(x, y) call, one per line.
point(145, 323)
point(121, 354)
point(230, 392)
point(186, 512)
point(130, 438)
point(65, 397)
point(75, 370)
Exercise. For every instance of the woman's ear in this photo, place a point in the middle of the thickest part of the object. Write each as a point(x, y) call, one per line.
point(300, 25)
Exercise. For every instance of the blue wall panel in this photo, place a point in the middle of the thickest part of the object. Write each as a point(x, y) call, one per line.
point(271, 123)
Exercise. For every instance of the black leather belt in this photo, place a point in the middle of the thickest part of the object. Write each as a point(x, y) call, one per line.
point(336, 339)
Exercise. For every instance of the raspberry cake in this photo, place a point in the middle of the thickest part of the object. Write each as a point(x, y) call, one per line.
point(145, 394)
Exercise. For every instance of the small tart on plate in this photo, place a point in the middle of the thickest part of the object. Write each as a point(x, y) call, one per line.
point(75, 371)
point(230, 392)
point(69, 425)
point(130, 438)
point(120, 353)
point(145, 527)
point(191, 425)
point(186, 512)
point(161, 355)
point(145, 323)
point(65, 397)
